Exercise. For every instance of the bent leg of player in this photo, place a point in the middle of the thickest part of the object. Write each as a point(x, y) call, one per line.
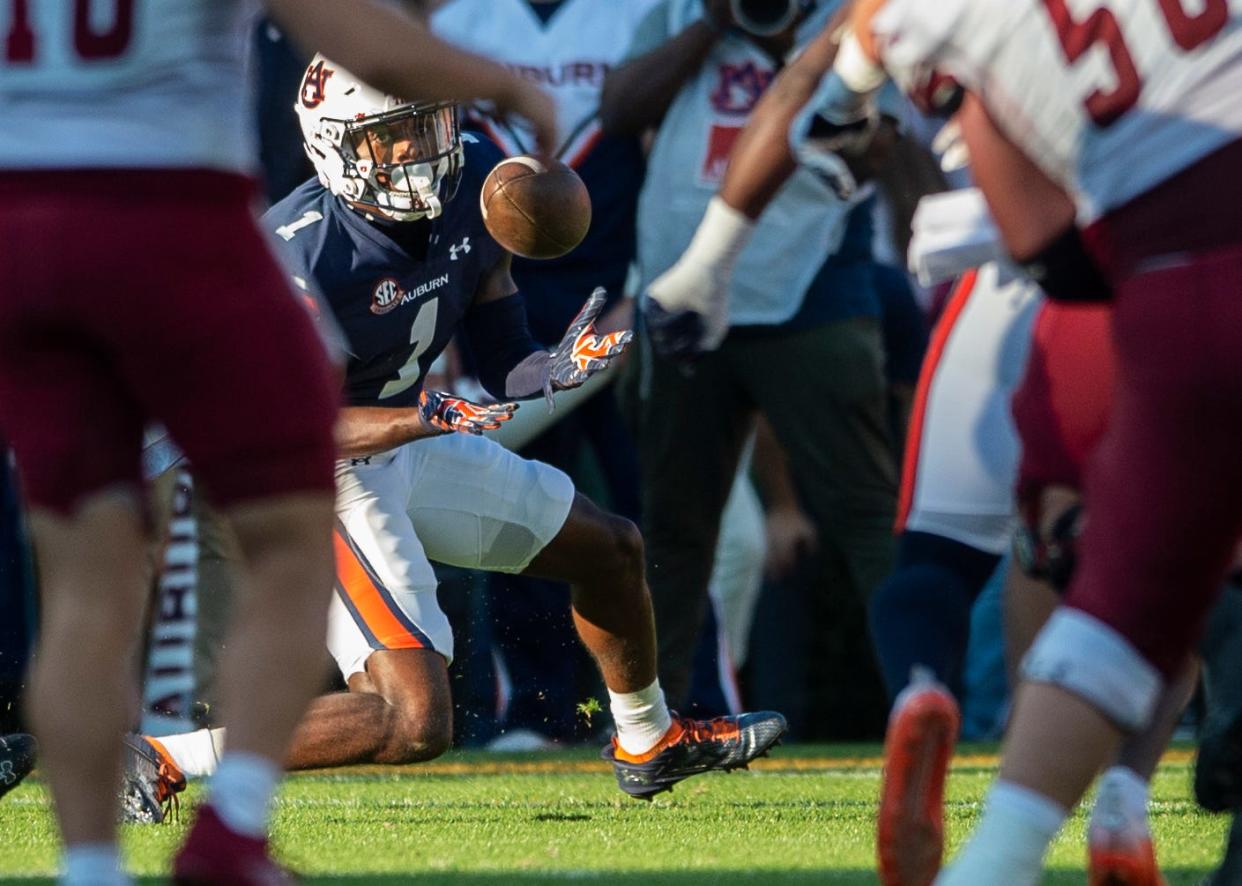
point(385, 631)
point(479, 506)
point(1165, 497)
point(601, 556)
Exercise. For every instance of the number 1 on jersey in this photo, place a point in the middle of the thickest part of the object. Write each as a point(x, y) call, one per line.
point(422, 334)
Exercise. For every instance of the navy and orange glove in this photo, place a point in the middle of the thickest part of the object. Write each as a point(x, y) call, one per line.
point(582, 351)
point(448, 414)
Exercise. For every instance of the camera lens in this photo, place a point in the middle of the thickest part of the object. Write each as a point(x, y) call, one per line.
point(764, 17)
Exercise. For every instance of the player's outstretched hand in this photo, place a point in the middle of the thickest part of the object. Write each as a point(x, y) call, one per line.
point(448, 414)
point(582, 351)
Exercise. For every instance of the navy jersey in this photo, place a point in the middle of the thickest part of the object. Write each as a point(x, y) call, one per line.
point(396, 312)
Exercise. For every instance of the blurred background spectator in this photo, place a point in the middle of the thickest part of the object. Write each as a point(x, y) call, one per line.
point(805, 348)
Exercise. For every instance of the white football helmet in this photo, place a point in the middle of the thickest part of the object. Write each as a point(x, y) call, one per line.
point(401, 160)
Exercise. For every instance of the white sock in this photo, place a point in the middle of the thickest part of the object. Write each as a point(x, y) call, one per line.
point(92, 864)
point(1008, 846)
point(1121, 800)
point(197, 754)
point(641, 718)
point(241, 792)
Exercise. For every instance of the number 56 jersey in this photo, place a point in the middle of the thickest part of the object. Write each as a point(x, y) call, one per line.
point(395, 312)
point(126, 84)
point(1110, 97)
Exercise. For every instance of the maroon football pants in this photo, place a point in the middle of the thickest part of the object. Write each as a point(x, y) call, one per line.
point(1164, 487)
point(129, 297)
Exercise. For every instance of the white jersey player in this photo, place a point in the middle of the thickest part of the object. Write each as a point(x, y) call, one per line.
point(126, 137)
point(1107, 141)
point(125, 62)
point(1157, 81)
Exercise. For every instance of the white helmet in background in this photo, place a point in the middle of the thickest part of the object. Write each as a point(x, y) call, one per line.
point(401, 160)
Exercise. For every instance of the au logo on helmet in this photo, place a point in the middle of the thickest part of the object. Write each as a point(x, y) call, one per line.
point(313, 85)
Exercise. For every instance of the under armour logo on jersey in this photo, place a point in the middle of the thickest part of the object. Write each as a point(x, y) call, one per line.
point(314, 84)
point(360, 462)
point(463, 247)
point(7, 774)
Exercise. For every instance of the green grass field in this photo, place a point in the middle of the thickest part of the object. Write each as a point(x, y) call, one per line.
point(803, 816)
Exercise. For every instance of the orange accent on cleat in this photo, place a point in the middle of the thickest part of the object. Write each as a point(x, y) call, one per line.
point(685, 729)
point(692, 747)
point(910, 827)
point(675, 731)
point(168, 766)
point(152, 781)
point(1123, 863)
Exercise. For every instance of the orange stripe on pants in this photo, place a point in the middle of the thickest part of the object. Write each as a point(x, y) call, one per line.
point(364, 593)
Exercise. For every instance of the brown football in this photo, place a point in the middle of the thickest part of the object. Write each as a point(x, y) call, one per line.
point(533, 210)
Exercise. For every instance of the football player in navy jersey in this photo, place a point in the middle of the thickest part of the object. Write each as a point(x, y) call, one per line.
point(389, 247)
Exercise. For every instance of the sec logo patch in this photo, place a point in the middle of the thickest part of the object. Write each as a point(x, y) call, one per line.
point(387, 296)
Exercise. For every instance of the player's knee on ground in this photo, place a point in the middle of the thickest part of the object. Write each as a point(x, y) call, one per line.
point(415, 736)
point(415, 722)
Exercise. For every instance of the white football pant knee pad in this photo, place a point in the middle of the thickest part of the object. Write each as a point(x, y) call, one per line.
point(1082, 655)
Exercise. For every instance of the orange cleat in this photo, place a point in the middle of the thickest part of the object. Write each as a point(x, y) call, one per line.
point(1123, 865)
point(922, 731)
point(1119, 850)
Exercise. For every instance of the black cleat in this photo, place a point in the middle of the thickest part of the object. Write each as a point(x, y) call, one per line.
point(695, 746)
point(152, 782)
point(17, 759)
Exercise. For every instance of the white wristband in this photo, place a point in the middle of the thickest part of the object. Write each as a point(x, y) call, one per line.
point(721, 236)
point(855, 68)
